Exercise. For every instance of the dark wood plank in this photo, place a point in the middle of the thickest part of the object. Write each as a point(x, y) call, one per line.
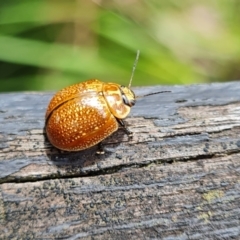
point(178, 178)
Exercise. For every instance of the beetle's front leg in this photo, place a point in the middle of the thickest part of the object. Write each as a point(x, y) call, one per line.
point(128, 132)
point(100, 150)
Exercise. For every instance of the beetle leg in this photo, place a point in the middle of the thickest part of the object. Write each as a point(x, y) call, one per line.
point(100, 150)
point(128, 132)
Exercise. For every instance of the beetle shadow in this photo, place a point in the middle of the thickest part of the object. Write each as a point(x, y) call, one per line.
point(84, 158)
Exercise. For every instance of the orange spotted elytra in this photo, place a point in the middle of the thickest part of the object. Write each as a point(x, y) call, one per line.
point(82, 115)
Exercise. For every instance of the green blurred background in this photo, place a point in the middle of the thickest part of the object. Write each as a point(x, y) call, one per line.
point(49, 44)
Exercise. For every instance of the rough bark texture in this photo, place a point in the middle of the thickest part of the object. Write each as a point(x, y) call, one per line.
point(178, 178)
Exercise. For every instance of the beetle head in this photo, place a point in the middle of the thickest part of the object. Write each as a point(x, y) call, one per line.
point(128, 96)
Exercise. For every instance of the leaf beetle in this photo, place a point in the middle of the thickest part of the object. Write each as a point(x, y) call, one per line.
point(84, 114)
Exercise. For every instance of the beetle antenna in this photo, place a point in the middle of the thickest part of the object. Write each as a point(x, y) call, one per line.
point(134, 68)
point(149, 94)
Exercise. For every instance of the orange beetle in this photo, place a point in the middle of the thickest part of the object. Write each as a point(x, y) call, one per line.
point(84, 114)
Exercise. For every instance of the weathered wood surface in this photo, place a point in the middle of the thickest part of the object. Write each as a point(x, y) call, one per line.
point(178, 178)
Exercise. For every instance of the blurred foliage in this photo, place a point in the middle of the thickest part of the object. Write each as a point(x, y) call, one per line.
point(48, 44)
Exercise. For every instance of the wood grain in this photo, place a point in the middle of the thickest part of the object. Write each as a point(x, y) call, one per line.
point(178, 178)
